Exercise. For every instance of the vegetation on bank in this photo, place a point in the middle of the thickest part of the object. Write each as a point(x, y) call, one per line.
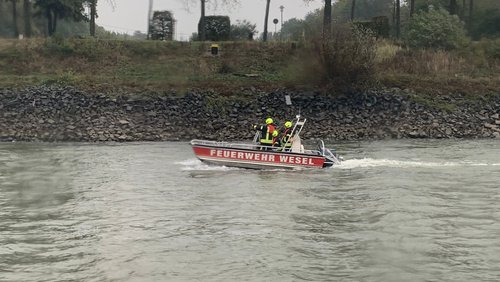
point(434, 49)
point(150, 65)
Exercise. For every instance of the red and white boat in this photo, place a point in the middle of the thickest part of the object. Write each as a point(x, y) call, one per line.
point(245, 155)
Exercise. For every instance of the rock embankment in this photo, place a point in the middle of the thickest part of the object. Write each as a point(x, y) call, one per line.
point(68, 114)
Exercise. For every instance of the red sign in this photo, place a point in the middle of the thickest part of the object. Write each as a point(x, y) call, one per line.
point(259, 157)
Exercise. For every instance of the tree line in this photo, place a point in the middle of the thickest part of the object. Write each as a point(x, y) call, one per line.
point(49, 12)
point(482, 17)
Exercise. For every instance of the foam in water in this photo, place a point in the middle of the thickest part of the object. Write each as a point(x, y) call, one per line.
point(368, 162)
point(195, 164)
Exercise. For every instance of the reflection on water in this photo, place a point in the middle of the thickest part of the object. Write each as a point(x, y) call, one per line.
point(394, 211)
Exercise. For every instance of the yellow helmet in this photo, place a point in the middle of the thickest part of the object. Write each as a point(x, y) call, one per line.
point(275, 133)
point(269, 120)
point(288, 124)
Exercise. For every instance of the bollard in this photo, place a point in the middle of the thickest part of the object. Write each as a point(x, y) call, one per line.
point(214, 49)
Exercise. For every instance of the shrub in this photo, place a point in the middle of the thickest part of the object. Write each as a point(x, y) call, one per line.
point(435, 29)
point(162, 26)
point(490, 47)
point(243, 30)
point(483, 54)
point(217, 28)
point(348, 55)
point(379, 25)
point(424, 63)
point(343, 60)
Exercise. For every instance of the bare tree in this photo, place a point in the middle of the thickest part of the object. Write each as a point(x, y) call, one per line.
point(412, 7)
point(453, 7)
point(471, 11)
point(398, 18)
point(462, 12)
point(203, 30)
point(327, 19)
point(14, 17)
point(266, 20)
point(353, 9)
point(27, 18)
point(93, 13)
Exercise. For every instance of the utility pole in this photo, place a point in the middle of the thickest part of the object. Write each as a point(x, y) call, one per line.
point(150, 15)
point(281, 28)
point(281, 9)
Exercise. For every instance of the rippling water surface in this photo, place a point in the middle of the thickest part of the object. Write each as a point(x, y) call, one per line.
point(393, 211)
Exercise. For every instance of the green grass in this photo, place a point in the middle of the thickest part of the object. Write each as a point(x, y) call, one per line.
point(106, 65)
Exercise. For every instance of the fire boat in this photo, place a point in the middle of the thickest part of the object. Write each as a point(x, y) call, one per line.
point(255, 156)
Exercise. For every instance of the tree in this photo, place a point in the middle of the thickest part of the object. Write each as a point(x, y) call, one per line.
point(364, 9)
point(54, 10)
point(353, 9)
point(327, 17)
point(14, 17)
point(435, 29)
point(471, 8)
point(398, 18)
point(93, 13)
point(412, 7)
point(453, 7)
point(293, 29)
point(243, 30)
point(202, 31)
point(162, 26)
point(217, 28)
point(266, 19)
point(202, 22)
point(27, 18)
point(462, 11)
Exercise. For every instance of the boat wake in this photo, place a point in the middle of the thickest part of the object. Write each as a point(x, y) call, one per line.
point(197, 165)
point(368, 162)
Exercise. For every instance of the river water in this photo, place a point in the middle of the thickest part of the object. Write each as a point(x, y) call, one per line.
point(393, 211)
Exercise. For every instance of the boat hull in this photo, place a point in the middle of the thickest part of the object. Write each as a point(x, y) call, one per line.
point(256, 159)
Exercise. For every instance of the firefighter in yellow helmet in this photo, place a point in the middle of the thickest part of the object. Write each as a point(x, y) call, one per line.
point(267, 133)
point(285, 140)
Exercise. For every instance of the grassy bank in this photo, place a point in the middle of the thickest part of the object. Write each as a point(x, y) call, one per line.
point(108, 65)
point(141, 65)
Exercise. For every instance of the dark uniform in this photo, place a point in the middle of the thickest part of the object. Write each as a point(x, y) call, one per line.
point(267, 133)
point(285, 140)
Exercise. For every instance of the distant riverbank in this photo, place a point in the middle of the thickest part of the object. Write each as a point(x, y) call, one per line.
point(68, 114)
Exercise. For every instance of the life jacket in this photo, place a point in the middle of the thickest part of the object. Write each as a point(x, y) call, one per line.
point(266, 134)
point(285, 138)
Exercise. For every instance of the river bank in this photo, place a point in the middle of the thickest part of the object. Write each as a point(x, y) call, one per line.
point(53, 113)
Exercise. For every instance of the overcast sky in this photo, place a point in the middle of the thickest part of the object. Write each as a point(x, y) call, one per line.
point(131, 15)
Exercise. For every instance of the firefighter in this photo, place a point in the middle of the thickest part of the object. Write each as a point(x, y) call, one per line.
point(267, 133)
point(286, 136)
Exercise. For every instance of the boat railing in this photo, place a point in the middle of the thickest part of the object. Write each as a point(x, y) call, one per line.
point(225, 144)
point(328, 153)
point(247, 146)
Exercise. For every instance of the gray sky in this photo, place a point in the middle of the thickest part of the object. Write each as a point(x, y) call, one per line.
point(131, 15)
